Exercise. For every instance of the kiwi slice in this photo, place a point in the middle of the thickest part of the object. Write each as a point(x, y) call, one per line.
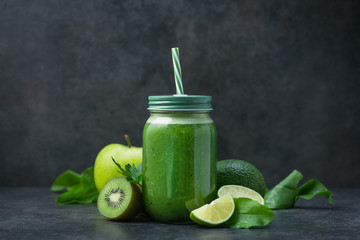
point(120, 199)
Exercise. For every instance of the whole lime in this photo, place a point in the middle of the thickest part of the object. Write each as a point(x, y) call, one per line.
point(239, 172)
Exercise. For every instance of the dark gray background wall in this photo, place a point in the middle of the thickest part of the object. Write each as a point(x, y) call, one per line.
point(284, 76)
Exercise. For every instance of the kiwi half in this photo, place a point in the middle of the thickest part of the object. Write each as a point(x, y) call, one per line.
point(120, 199)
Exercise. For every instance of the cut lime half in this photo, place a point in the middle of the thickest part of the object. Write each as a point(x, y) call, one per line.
point(237, 191)
point(215, 213)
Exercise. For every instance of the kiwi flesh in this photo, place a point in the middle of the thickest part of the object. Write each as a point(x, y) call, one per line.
point(120, 200)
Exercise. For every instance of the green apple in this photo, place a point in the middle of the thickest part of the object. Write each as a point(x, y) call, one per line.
point(105, 169)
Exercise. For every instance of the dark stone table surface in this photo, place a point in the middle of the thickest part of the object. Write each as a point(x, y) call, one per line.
point(31, 213)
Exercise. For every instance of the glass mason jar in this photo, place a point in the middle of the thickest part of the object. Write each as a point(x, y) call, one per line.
point(179, 156)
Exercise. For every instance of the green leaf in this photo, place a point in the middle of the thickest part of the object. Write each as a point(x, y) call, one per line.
point(132, 173)
point(122, 171)
point(312, 188)
point(84, 192)
point(284, 194)
point(65, 181)
point(249, 213)
point(139, 168)
point(128, 168)
point(87, 177)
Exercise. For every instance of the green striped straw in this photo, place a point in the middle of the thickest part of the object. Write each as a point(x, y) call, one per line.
point(177, 71)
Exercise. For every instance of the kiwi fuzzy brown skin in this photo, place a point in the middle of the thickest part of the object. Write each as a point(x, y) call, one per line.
point(135, 205)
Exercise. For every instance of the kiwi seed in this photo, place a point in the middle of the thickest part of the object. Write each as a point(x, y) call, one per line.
point(110, 195)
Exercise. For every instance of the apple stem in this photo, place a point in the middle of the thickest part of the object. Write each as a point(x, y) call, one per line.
point(127, 140)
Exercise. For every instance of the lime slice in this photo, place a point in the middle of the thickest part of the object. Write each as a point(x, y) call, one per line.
point(215, 213)
point(237, 191)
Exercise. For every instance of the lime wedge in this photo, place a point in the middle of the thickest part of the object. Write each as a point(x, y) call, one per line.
point(215, 213)
point(237, 191)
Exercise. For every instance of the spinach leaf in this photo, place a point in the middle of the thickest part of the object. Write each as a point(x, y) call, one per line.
point(249, 213)
point(314, 187)
point(284, 194)
point(84, 192)
point(65, 181)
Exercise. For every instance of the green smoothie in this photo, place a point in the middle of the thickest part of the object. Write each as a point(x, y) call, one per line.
point(179, 164)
